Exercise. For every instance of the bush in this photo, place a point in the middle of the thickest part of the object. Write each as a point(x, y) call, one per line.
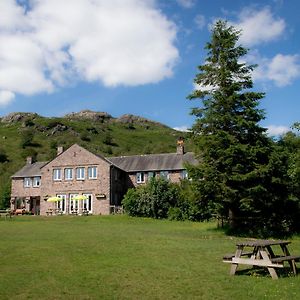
point(152, 200)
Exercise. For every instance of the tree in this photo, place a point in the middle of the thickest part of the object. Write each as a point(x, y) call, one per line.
point(234, 176)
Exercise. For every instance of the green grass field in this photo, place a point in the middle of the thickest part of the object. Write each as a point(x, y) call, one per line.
point(117, 257)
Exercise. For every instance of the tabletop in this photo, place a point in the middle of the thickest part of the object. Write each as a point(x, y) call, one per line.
point(262, 243)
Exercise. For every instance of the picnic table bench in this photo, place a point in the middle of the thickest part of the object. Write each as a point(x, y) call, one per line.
point(262, 255)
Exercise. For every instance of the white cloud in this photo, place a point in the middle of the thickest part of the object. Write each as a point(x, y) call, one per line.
point(259, 26)
point(186, 3)
point(281, 69)
point(200, 21)
point(274, 130)
point(6, 97)
point(183, 128)
point(117, 42)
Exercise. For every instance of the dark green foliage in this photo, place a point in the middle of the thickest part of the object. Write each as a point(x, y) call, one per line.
point(152, 200)
point(5, 196)
point(27, 138)
point(3, 156)
point(240, 176)
point(84, 136)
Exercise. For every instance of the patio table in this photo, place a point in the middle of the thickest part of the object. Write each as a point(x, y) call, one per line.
point(260, 253)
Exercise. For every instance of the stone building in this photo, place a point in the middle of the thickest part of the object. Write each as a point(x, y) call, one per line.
point(102, 181)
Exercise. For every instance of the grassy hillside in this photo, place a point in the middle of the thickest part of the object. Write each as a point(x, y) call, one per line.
point(25, 134)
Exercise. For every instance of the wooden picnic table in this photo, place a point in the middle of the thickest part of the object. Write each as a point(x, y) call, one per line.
point(260, 253)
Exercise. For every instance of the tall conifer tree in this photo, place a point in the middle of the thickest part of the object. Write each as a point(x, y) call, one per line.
point(233, 148)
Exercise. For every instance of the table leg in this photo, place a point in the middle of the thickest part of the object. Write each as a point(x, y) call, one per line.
point(291, 262)
point(234, 266)
point(271, 270)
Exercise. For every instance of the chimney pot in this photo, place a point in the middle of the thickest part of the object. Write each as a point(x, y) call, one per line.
point(60, 149)
point(29, 160)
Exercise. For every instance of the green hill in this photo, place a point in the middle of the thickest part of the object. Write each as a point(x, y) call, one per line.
point(28, 134)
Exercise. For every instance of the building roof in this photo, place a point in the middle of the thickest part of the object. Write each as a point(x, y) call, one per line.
point(30, 170)
point(153, 162)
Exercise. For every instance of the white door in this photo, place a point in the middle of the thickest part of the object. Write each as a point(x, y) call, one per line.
point(88, 203)
point(61, 205)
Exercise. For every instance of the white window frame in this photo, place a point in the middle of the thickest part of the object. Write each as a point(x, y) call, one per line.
point(27, 182)
point(62, 205)
point(73, 204)
point(80, 173)
point(140, 177)
point(36, 181)
point(85, 203)
point(56, 174)
point(92, 172)
point(68, 173)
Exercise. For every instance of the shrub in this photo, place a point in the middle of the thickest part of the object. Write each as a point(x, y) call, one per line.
point(152, 200)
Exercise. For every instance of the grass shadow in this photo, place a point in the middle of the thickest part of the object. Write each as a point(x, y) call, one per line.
point(263, 272)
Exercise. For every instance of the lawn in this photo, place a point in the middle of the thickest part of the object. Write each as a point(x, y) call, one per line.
point(118, 257)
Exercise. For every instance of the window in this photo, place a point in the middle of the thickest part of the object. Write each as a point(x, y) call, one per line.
point(68, 174)
point(150, 175)
point(56, 174)
point(80, 173)
point(164, 175)
point(73, 204)
point(61, 205)
point(92, 172)
point(27, 182)
point(140, 177)
point(87, 204)
point(184, 174)
point(36, 181)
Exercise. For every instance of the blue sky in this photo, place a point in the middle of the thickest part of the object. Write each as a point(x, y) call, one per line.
point(140, 56)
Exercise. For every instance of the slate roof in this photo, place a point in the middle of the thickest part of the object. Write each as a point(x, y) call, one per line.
point(153, 162)
point(30, 170)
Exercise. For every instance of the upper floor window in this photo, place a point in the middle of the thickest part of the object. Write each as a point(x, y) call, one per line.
point(92, 172)
point(36, 181)
point(80, 173)
point(140, 177)
point(164, 175)
point(27, 182)
point(68, 174)
point(56, 174)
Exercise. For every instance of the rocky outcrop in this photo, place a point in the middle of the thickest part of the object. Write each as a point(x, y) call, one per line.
point(90, 115)
point(132, 119)
point(18, 117)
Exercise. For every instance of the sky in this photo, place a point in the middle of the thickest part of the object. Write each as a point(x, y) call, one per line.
point(141, 56)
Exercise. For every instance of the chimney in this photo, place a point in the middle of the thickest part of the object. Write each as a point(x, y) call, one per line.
point(60, 150)
point(29, 160)
point(180, 146)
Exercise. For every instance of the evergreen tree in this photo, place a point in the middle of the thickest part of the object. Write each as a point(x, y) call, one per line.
point(234, 176)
